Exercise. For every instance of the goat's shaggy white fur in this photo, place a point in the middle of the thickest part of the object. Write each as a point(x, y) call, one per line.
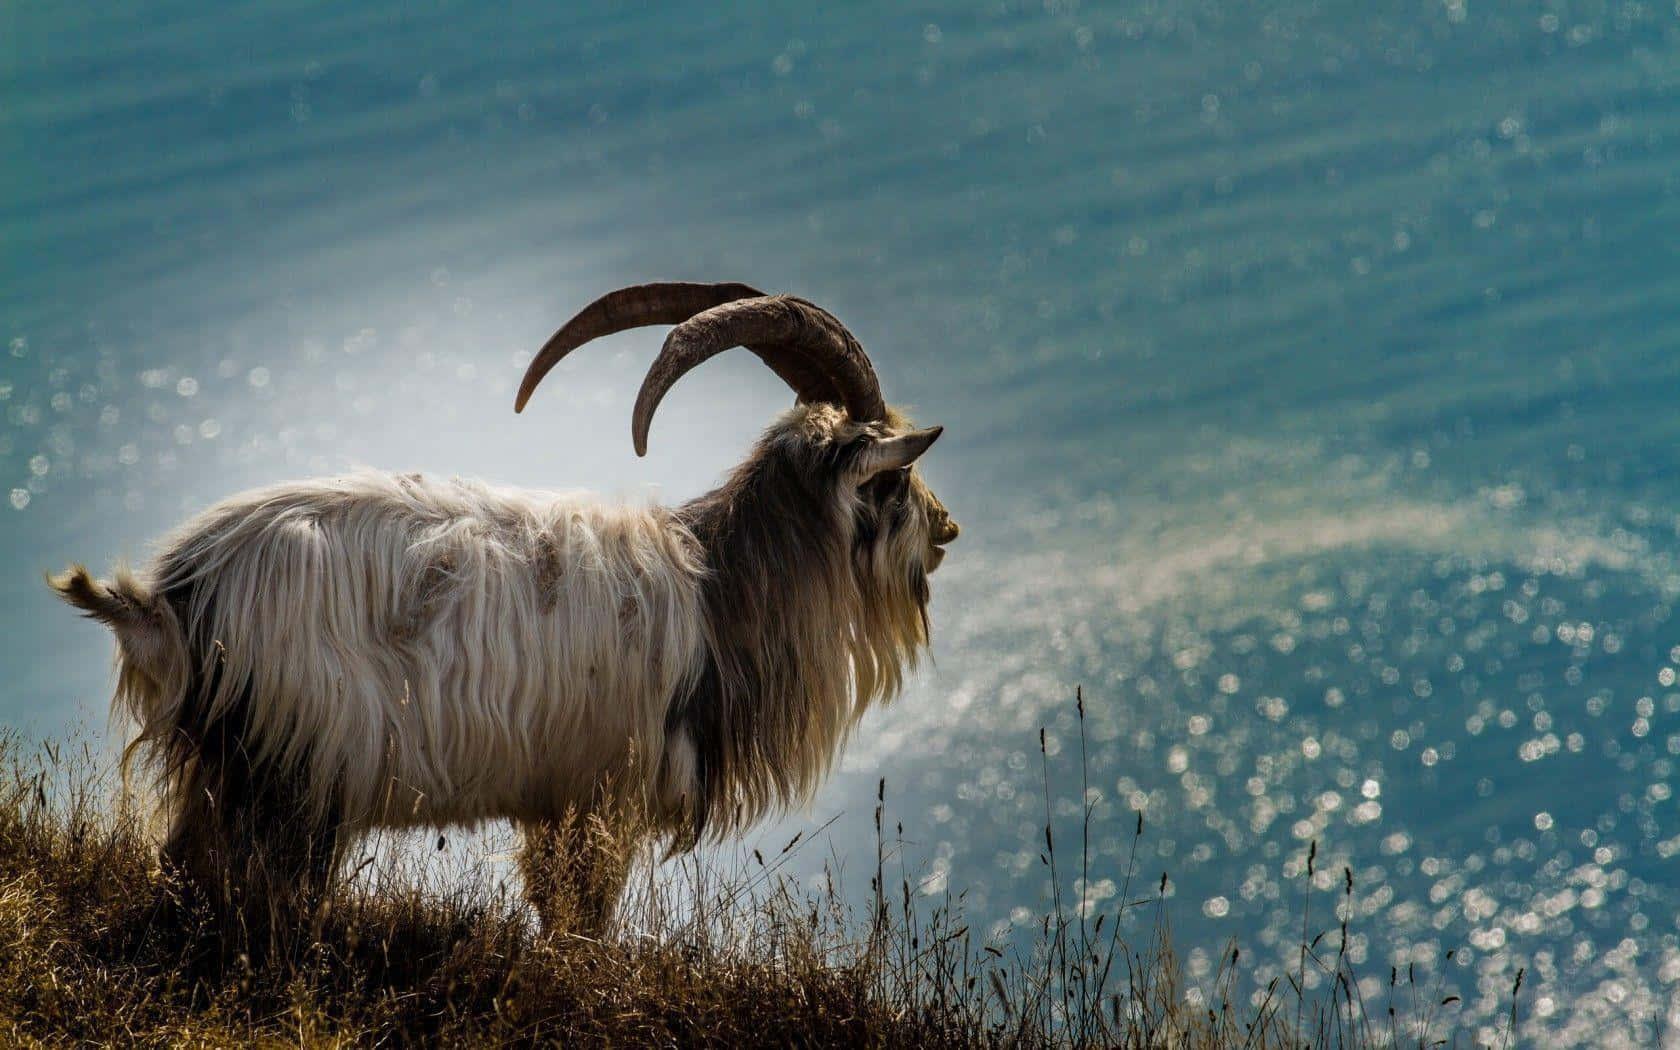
point(440, 652)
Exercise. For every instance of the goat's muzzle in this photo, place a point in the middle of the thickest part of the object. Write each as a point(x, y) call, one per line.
point(941, 531)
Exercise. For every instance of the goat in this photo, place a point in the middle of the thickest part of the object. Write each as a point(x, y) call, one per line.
point(313, 660)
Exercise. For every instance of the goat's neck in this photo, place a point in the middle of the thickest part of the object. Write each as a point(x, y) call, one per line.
point(775, 697)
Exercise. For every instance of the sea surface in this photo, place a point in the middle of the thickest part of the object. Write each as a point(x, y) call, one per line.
point(1308, 370)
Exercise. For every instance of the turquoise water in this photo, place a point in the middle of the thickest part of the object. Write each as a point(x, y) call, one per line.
point(1306, 375)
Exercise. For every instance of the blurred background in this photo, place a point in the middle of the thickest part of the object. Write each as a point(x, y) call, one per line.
point(1307, 372)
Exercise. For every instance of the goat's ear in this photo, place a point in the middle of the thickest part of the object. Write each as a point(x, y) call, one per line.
point(894, 453)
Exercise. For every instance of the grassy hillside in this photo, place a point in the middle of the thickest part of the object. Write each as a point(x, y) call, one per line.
point(95, 950)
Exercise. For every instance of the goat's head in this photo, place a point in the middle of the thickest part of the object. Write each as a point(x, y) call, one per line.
point(853, 449)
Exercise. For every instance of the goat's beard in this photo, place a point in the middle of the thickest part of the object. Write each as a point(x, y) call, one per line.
point(891, 618)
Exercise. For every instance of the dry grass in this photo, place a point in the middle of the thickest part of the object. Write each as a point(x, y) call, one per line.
point(95, 950)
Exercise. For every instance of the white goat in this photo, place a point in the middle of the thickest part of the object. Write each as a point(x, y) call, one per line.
point(312, 660)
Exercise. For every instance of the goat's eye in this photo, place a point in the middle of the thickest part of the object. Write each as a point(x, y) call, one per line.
point(887, 485)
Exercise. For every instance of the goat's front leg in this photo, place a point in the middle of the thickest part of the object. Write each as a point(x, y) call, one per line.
point(575, 869)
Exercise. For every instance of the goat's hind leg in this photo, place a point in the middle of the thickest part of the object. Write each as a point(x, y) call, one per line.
point(291, 854)
point(194, 856)
point(295, 845)
point(247, 839)
point(208, 853)
point(246, 843)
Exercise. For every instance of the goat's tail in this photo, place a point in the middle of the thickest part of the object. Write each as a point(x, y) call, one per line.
point(152, 664)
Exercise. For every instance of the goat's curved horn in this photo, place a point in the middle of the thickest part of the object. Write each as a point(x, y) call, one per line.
point(671, 302)
point(803, 343)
